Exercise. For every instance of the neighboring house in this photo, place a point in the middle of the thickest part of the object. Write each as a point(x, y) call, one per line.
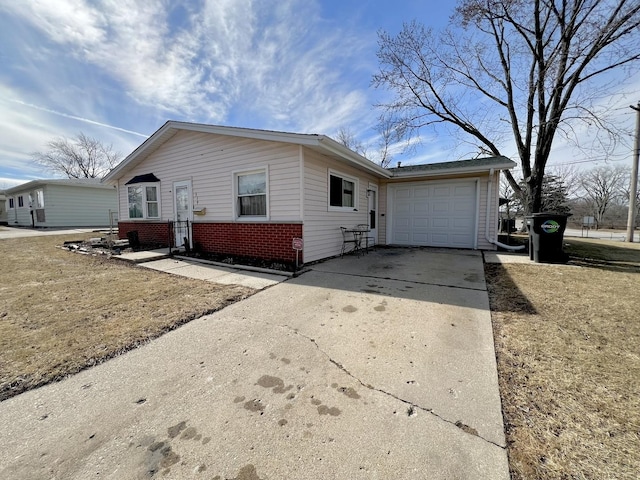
point(61, 203)
point(3, 208)
point(251, 192)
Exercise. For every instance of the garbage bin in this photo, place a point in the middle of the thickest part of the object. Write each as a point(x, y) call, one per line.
point(134, 239)
point(546, 234)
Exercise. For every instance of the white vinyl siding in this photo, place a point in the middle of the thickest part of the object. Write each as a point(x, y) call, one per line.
point(69, 206)
point(210, 162)
point(322, 237)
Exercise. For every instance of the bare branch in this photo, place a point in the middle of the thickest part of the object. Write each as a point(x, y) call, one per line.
point(79, 157)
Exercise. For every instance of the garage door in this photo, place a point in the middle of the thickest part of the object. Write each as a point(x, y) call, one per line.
point(434, 214)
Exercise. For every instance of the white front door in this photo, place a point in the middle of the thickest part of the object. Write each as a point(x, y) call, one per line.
point(183, 212)
point(372, 209)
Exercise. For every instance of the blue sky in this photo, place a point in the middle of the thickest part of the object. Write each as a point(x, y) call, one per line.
point(117, 70)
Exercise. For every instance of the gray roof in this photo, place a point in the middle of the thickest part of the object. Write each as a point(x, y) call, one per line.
point(71, 182)
point(458, 166)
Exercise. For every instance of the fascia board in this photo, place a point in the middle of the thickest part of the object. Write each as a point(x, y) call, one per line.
point(452, 171)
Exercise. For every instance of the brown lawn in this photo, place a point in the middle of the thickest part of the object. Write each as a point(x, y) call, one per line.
point(62, 312)
point(568, 349)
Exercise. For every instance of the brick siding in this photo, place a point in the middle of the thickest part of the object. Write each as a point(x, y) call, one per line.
point(270, 241)
point(156, 233)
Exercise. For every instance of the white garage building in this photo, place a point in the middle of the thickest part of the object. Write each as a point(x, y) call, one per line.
point(451, 204)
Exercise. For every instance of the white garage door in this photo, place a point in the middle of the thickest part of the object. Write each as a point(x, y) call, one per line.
point(434, 214)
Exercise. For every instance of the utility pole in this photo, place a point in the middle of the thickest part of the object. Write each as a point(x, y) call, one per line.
point(633, 187)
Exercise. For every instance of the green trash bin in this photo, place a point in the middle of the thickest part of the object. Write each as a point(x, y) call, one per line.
point(546, 235)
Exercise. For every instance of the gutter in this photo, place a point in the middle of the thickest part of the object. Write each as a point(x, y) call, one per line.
point(488, 216)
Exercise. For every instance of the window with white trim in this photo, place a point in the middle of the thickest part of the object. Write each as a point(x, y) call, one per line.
point(20, 201)
point(343, 192)
point(11, 203)
point(251, 191)
point(143, 201)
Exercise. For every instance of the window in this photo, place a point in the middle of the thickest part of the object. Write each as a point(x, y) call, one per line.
point(143, 201)
point(343, 192)
point(151, 200)
point(20, 201)
point(252, 194)
point(40, 198)
point(11, 203)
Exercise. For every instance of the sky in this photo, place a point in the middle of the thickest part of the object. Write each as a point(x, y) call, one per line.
point(117, 70)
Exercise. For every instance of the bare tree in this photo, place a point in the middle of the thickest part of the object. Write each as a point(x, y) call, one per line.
point(570, 176)
point(602, 186)
point(525, 69)
point(379, 150)
point(79, 157)
point(346, 137)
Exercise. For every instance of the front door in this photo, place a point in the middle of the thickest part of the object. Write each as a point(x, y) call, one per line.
point(183, 213)
point(372, 200)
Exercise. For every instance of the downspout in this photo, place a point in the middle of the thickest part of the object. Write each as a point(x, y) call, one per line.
point(488, 218)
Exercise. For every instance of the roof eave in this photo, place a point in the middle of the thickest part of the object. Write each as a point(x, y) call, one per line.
point(338, 149)
point(454, 171)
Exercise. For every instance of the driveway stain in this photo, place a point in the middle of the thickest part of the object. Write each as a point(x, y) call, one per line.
point(349, 392)
point(190, 434)
point(382, 307)
point(277, 384)
point(254, 406)
point(324, 410)
point(248, 472)
point(333, 411)
point(471, 277)
point(349, 309)
point(160, 455)
point(174, 431)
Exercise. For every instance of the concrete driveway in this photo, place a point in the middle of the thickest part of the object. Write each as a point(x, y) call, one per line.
point(375, 367)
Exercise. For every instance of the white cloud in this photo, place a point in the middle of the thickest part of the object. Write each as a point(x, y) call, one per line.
point(275, 61)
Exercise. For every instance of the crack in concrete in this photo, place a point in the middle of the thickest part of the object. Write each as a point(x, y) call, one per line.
point(377, 277)
point(466, 429)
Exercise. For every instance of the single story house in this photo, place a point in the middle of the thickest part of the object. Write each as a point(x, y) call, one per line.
point(251, 192)
point(60, 203)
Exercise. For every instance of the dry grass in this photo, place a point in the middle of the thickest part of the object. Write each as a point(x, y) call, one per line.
point(568, 349)
point(62, 312)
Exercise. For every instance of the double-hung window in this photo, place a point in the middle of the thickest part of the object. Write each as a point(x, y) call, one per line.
point(143, 201)
point(251, 190)
point(11, 203)
point(343, 192)
point(20, 201)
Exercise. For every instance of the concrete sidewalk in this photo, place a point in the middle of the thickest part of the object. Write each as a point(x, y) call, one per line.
point(13, 232)
point(374, 367)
